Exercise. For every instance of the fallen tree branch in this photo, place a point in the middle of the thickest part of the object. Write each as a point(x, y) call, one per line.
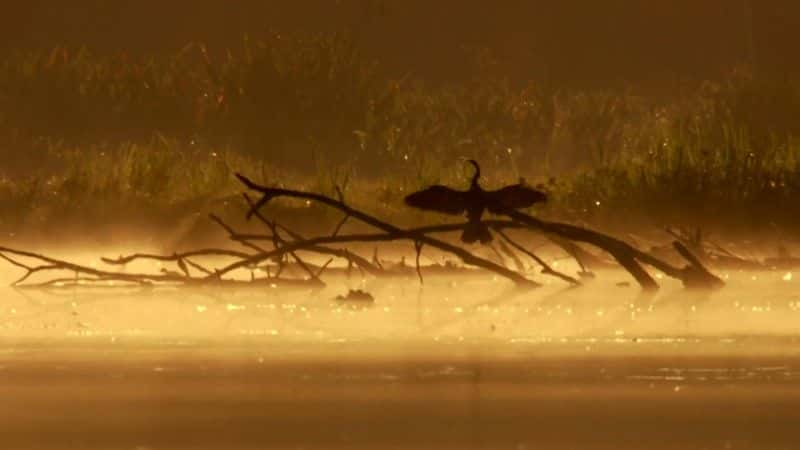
point(278, 242)
point(630, 258)
point(86, 276)
point(565, 236)
point(694, 275)
point(362, 263)
point(392, 231)
point(53, 264)
point(409, 235)
point(122, 260)
point(587, 261)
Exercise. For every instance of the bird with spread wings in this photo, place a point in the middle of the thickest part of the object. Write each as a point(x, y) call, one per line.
point(473, 202)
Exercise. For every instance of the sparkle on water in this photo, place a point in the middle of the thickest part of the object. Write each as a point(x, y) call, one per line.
point(471, 310)
point(485, 365)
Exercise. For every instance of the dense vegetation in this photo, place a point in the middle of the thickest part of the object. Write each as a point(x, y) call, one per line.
point(89, 133)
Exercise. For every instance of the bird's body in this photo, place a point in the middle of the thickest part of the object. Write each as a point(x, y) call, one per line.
point(474, 202)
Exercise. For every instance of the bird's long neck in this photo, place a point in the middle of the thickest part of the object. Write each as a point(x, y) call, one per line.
point(474, 183)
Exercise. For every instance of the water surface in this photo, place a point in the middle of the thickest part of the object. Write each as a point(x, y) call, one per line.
point(458, 363)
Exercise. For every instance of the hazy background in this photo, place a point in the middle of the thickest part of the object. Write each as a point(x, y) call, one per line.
point(680, 111)
point(573, 41)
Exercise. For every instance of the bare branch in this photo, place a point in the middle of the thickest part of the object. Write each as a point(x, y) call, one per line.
point(391, 230)
point(197, 266)
point(122, 260)
point(233, 235)
point(340, 225)
point(278, 241)
point(629, 257)
point(324, 266)
point(565, 235)
point(546, 269)
point(511, 254)
point(418, 247)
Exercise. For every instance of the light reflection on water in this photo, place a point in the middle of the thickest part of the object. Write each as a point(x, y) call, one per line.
point(470, 363)
point(466, 310)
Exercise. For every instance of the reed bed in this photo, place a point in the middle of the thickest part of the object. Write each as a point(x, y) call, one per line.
point(119, 132)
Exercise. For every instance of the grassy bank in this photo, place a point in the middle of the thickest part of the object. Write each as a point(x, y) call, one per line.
point(90, 138)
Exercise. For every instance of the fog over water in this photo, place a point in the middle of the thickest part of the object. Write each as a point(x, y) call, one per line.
point(463, 362)
point(463, 359)
point(468, 309)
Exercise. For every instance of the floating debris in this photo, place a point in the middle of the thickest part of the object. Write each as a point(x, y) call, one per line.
point(356, 295)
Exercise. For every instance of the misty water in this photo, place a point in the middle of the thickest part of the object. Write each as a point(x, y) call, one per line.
point(459, 362)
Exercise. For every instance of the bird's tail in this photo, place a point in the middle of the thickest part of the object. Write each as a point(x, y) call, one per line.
point(476, 232)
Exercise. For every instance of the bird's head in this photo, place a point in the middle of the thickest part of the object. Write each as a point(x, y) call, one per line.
point(477, 173)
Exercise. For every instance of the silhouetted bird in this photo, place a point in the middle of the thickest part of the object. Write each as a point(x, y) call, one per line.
point(474, 202)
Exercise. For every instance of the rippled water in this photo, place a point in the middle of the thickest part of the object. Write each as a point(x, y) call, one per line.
point(456, 363)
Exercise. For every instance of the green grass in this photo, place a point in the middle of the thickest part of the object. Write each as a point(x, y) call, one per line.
point(88, 136)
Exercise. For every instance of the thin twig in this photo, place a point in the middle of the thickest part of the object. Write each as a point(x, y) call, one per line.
point(340, 225)
point(324, 266)
point(510, 253)
point(418, 248)
point(122, 260)
point(278, 241)
point(500, 258)
point(546, 269)
point(233, 235)
point(197, 266)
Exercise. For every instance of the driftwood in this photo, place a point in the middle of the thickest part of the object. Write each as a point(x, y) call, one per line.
point(280, 248)
point(693, 275)
point(34, 263)
point(714, 254)
point(391, 233)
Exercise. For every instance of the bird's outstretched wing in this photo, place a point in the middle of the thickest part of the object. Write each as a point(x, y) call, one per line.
point(440, 199)
point(516, 196)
